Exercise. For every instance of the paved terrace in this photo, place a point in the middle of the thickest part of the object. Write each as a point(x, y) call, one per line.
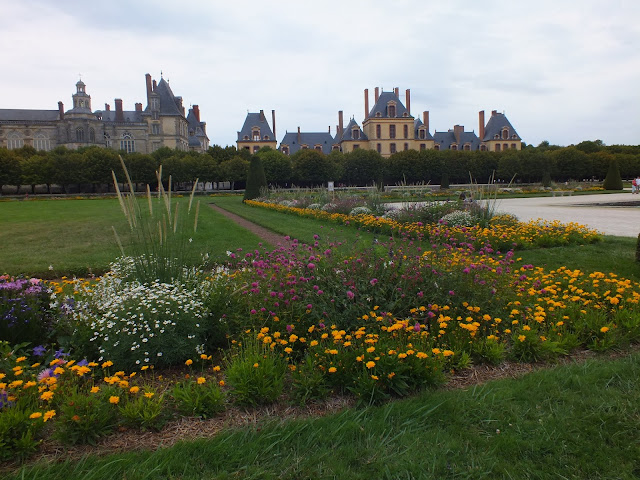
point(610, 214)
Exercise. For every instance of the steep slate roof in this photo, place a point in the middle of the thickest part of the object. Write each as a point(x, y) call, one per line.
point(416, 125)
point(381, 106)
point(446, 139)
point(22, 115)
point(255, 120)
point(348, 133)
point(168, 105)
point(311, 139)
point(495, 125)
point(199, 129)
point(129, 115)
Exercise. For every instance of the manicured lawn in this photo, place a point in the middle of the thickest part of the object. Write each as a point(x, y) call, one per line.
point(576, 421)
point(75, 237)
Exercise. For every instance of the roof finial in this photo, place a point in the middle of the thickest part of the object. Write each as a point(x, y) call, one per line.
point(160, 73)
point(80, 75)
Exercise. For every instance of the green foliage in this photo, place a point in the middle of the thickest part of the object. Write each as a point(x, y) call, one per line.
point(85, 418)
point(256, 179)
point(488, 350)
point(613, 180)
point(19, 434)
point(254, 373)
point(143, 412)
point(444, 181)
point(638, 249)
point(195, 399)
point(308, 382)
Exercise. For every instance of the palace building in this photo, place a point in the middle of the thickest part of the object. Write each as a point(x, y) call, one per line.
point(162, 123)
point(388, 127)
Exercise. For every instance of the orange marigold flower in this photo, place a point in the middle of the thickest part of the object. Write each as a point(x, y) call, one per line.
point(332, 369)
point(48, 395)
point(49, 414)
point(114, 399)
point(370, 364)
point(604, 329)
point(188, 362)
point(149, 394)
point(95, 389)
point(201, 380)
point(134, 390)
point(35, 415)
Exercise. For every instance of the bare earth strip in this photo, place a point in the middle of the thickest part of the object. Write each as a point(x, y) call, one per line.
point(268, 236)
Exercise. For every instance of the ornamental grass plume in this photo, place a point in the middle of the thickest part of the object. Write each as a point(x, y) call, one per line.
point(159, 237)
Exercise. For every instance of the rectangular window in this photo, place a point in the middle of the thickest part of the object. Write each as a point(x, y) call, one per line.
point(423, 146)
point(392, 147)
point(406, 146)
point(513, 145)
point(155, 129)
point(356, 146)
point(497, 147)
point(392, 131)
point(379, 147)
point(406, 131)
point(378, 131)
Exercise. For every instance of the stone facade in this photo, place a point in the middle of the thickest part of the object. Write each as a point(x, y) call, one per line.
point(162, 123)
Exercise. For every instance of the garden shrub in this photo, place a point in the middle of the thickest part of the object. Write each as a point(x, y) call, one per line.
point(198, 397)
point(25, 315)
point(256, 179)
point(254, 373)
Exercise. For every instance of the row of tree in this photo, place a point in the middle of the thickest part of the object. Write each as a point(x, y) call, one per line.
point(89, 169)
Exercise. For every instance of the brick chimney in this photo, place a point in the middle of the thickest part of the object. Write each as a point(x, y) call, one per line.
point(196, 112)
point(425, 119)
point(366, 102)
point(107, 107)
point(457, 131)
point(481, 125)
point(61, 110)
point(148, 82)
point(397, 92)
point(273, 121)
point(329, 129)
point(377, 96)
point(138, 107)
point(298, 135)
point(262, 117)
point(494, 112)
point(155, 85)
point(340, 123)
point(119, 112)
point(408, 96)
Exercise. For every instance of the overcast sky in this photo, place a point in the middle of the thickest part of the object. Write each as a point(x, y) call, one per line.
point(562, 71)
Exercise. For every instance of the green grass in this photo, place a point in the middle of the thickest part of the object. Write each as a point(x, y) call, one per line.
point(75, 237)
point(576, 421)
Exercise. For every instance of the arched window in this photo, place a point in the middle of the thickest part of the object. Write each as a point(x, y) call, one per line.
point(505, 133)
point(453, 146)
point(79, 134)
point(422, 133)
point(92, 135)
point(14, 140)
point(107, 140)
point(41, 142)
point(436, 147)
point(266, 137)
point(467, 146)
point(127, 143)
point(318, 148)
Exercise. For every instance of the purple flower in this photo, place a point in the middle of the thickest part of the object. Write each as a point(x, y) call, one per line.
point(39, 351)
point(416, 327)
point(452, 293)
point(289, 328)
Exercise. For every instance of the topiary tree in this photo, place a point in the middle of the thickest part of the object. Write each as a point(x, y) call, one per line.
point(256, 179)
point(613, 180)
point(444, 181)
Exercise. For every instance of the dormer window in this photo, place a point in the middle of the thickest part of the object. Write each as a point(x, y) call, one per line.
point(155, 103)
point(505, 133)
point(514, 136)
point(453, 146)
point(405, 114)
point(285, 150)
point(378, 114)
point(266, 137)
point(246, 137)
point(467, 146)
point(255, 134)
point(391, 109)
point(318, 148)
point(355, 134)
point(496, 137)
point(422, 133)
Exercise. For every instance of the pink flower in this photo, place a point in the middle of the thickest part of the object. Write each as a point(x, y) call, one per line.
point(373, 281)
point(311, 266)
point(350, 294)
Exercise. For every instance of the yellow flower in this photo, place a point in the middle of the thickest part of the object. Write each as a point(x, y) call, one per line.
point(203, 356)
point(332, 369)
point(522, 338)
point(255, 365)
point(371, 349)
point(604, 329)
point(20, 359)
point(188, 362)
point(95, 389)
point(35, 415)
point(370, 364)
point(48, 395)
point(221, 383)
point(201, 380)
point(106, 364)
point(149, 394)
point(313, 343)
point(375, 377)
point(49, 414)
point(448, 353)
point(216, 368)
point(114, 400)
point(134, 390)
point(29, 384)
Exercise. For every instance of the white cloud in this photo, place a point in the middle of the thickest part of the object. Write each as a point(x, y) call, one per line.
point(561, 71)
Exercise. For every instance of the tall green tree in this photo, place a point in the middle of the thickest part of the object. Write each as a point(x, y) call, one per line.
point(256, 179)
point(276, 165)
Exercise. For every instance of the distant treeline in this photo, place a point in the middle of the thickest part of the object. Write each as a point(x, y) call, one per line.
point(89, 169)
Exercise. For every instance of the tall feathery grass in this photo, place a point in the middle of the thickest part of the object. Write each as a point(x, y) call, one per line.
point(159, 231)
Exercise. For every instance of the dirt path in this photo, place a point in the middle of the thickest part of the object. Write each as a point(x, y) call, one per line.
point(272, 238)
